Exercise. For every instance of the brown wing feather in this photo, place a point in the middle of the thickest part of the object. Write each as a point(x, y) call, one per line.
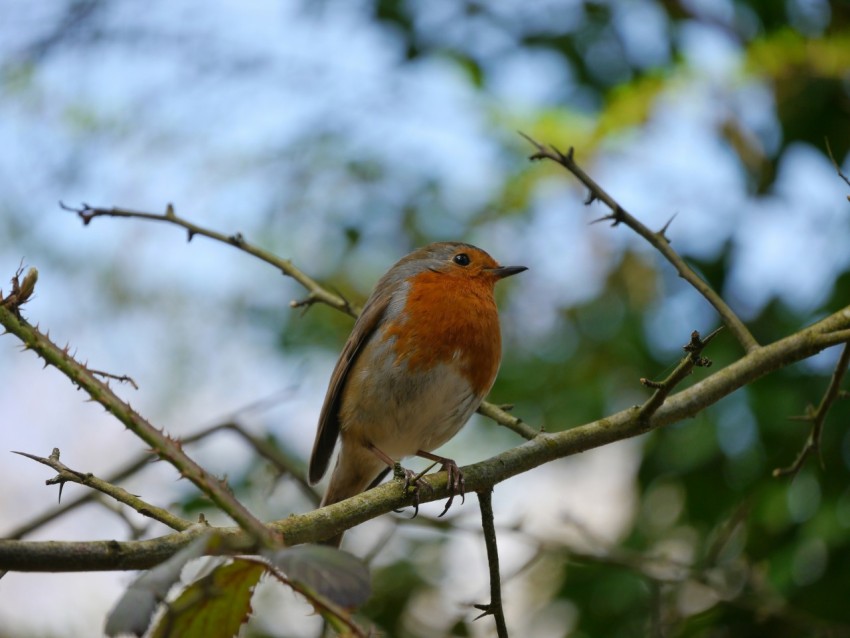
point(328, 430)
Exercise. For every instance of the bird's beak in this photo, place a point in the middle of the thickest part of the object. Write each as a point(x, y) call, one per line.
point(506, 271)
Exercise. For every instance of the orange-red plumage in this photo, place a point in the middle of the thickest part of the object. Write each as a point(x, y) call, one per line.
point(421, 357)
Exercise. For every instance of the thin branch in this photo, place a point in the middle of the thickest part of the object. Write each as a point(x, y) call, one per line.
point(166, 447)
point(836, 165)
point(67, 475)
point(818, 416)
point(658, 239)
point(693, 358)
point(327, 608)
point(494, 607)
point(316, 292)
point(545, 447)
point(284, 463)
point(500, 415)
point(122, 378)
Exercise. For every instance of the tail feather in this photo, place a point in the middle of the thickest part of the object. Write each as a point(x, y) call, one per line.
point(355, 471)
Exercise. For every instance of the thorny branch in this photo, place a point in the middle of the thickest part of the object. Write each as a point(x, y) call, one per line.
point(166, 447)
point(494, 607)
point(67, 475)
point(817, 416)
point(541, 448)
point(658, 239)
point(693, 359)
point(315, 292)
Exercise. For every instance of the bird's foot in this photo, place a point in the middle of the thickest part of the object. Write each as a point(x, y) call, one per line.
point(454, 483)
point(413, 483)
point(454, 477)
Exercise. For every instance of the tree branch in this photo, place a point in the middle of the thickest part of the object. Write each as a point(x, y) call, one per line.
point(818, 416)
point(545, 447)
point(166, 447)
point(316, 292)
point(658, 240)
point(121, 495)
point(494, 607)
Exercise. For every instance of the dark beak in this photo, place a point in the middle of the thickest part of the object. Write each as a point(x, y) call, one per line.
point(506, 271)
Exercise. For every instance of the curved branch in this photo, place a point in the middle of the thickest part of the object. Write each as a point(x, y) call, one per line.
point(67, 475)
point(166, 447)
point(543, 448)
point(316, 292)
point(658, 240)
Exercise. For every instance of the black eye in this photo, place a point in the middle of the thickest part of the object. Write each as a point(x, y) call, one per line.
point(461, 259)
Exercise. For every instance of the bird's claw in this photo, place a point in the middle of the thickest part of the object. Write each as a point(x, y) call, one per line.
point(412, 483)
point(455, 483)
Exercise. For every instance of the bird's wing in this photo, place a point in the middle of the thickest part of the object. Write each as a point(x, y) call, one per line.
point(328, 431)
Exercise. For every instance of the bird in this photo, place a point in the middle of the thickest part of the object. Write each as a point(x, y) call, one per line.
point(421, 357)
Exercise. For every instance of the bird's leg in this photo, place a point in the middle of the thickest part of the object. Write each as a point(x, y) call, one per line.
point(411, 479)
point(454, 483)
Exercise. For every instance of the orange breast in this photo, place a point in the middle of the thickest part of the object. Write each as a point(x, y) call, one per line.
point(449, 318)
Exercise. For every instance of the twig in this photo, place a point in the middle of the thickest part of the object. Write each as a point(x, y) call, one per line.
point(692, 359)
point(545, 447)
point(658, 239)
point(316, 292)
point(818, 416)
point(327, 608)
point(501, 416)
point(67, 475)
point(835, 164)
point(494, 607)
point(166, 447)
point(283, 462)
point(123, 378)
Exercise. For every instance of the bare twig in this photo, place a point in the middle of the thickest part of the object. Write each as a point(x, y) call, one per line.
point(67, 475)
point(494, 607)
point(328, 609)
point(835, 164)
point(545, 447)
point(658, 239)
point(166, 447)
point(122, 378)
point(818, 416)
point(692, 359)
point(316, 292)
point(284, 463)
point(501, 416)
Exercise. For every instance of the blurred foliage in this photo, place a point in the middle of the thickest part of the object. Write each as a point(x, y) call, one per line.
point(765, 556)
point(717, 546)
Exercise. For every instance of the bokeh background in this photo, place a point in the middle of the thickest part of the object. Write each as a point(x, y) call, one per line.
point(343, 134)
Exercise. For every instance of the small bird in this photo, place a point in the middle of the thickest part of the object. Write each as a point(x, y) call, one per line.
point(420, 359)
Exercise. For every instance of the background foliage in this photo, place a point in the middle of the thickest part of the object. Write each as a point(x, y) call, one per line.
point(343, 134)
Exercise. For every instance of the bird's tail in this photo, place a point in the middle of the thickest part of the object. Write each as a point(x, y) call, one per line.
point(355, 471)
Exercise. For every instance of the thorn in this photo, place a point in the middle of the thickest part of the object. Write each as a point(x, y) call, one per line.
point(591, 197)
point(169, 210)
point(663, 232)
point(189, 235)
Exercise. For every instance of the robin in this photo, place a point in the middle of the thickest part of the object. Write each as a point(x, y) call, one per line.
point(420, 359)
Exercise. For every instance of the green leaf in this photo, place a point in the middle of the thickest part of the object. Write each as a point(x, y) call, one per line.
point(331, 573)
point(134, 611)
point(214, 606)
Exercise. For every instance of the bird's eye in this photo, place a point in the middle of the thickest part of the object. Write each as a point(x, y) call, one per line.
point(461, 259)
